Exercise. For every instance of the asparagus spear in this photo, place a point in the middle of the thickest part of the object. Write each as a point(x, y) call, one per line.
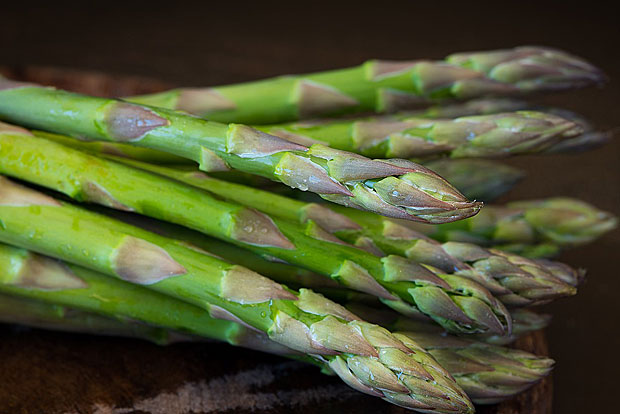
point(384, 86)
point(488, 374)
point(450, 170)
point(29, 275)
point(485, 128)
point(451, 300)
point(481, 368)
point(522, 282)
point(525, 321)
point(398, 188)
point(514, 280)
point(496, 135)
point(118, 149)
point(362, 354)
point(537, 227)
point(478, 179)
point(422, 384)
point(473, 107)
point(55, 317)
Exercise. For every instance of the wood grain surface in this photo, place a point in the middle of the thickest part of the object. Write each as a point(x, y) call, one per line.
point(52, 373)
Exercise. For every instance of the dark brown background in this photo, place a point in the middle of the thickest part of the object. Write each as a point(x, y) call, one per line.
point(212, 44)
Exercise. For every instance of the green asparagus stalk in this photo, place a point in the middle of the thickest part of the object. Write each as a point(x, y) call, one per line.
point(384, 86)
point(29, 275)
point(516, 281)
point(36, 277)
point(484, 128)
point(398, 188)
point(496, 135)
point(365, 356)
point(453, 171)
point(524, 322)
point(467, 108)
point(527, 282)
point(122, 150)
point(54, 317)
point(478, 179)
point(482, 368)
point(451, 300)
point(488, 374)
point(536, 227)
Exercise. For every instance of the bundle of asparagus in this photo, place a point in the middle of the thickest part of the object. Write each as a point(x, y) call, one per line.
point(164, 251)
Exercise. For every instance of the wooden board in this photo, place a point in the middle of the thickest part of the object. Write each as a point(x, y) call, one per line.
point(47, 372)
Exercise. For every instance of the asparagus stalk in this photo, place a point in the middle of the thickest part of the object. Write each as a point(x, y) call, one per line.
point(524, 322)
point(478, 179)
point(516, 281)
point(537, 227)
point(384, 86)
point(118, 149)
point(480, 367)
point(29, 275)
point(35, 277)
point(488, 374)
point(364, 355)
point(398, 188)
point(467, 108)
point(527, 282)
point(485, 128)
point(496, 135)
point(55, 317)
point(454, 171)
point(451, 300)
